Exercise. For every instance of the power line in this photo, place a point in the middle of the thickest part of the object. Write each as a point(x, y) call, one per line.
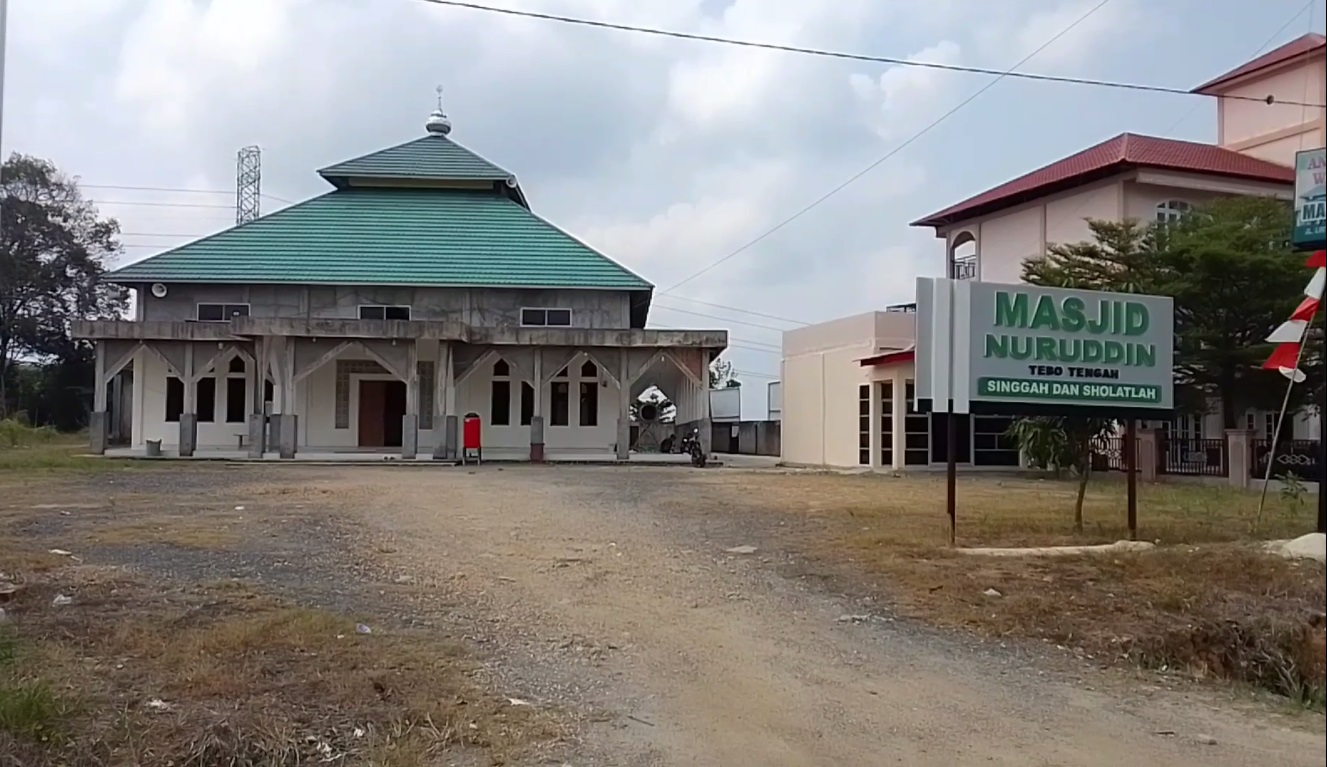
point(906, 143)
point(1308, 7)
point(163, 204)
point(824, 53)
point(176, 190)
point(735, 309)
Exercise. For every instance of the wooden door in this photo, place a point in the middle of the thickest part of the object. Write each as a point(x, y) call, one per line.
point(372, 400)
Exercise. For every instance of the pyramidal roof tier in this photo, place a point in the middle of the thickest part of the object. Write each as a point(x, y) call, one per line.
point(426, 213)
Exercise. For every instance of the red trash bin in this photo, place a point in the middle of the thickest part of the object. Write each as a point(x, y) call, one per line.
point(472, 430)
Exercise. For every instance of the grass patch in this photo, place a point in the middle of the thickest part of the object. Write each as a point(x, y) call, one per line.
point(208, 532)
point(1206, 602)
point(134, 673)
point(63, 455)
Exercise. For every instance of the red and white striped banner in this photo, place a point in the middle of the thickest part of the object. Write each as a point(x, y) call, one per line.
point(1289, 337)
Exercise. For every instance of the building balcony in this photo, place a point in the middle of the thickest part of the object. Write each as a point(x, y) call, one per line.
point(964, 268)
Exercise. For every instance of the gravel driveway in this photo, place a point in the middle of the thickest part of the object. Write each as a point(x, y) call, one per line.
point(632, 599)
point(614, 591)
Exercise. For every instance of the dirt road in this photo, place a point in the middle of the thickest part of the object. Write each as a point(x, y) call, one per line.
point(589, 593)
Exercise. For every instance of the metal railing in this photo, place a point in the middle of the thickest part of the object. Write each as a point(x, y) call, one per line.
point(1188, 456)
point(1293, 456)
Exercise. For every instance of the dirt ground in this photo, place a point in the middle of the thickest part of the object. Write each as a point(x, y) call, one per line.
point(610, 594)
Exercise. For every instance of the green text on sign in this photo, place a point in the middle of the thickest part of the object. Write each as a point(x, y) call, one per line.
point(1068, 391)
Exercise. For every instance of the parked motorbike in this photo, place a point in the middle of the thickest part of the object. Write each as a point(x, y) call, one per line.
point(691, 446)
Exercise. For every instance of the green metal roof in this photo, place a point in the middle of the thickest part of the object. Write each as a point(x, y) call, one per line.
point(431, 158)
point(379, 236)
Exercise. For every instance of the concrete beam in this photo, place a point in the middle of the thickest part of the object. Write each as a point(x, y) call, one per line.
point(243, 328)
point(154, 330)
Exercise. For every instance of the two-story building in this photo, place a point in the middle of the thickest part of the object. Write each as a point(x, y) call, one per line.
point(419, 291)
point(867, 361)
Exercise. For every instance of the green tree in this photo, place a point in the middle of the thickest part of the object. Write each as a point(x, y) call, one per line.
point(1120, 257)
point(722, 376)
point(1056, 443)
point(53, 250)
point(1229, 266)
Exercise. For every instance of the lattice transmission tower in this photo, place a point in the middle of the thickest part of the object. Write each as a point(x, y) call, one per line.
point(248, 183)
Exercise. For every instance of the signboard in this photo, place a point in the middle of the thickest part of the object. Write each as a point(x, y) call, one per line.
point(1002, 346)
point(1310, 231)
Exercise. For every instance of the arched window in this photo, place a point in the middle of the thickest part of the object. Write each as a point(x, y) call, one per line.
point(1171, 210)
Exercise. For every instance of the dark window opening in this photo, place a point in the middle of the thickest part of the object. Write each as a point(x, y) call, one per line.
point(375, 312)
point(589, 403)
point(500, 412)
point(527, 403)
point(174, 399)
point(588, 370)
point(561, 373)
point(501, 368)
point(864, 424)
point(887, 424)
point(236, 389)
point(559, 404)
point(236, 365)
point(546, 318)
point(207, 399)
point(221, 312)
point(268, 392)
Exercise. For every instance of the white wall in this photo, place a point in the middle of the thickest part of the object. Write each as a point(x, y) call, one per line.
point(315, 403)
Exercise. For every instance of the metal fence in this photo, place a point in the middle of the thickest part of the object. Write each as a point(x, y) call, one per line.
point(1108, 454)
point(1186, 456)
point(1293, 456)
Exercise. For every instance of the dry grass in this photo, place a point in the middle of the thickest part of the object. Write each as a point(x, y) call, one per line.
point(1205, 601)
point(209, 531)
point(131, 674)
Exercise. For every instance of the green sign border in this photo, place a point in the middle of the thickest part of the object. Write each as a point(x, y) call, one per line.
point(1139, 394)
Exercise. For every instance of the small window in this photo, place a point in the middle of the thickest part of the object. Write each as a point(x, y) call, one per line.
point(236, 391)
point(561, 373)
point(588, 370)
point(381, 312)
point(546, 318)
point(527, 403)
point(1171, 211)
point(221, 312)
point(500, 408)
point(589, 403)
point(501, 368)
point(237, 365)
point(560, 404)
point(207, 399)
point(174, 399)
point(269, 391)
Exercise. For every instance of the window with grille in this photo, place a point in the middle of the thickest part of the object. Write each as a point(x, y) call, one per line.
point(545, 318)
point(1171, 211)
point(383, 312)
point(864, 424)
point(886, 390)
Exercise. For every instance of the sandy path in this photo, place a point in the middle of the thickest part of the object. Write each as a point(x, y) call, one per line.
point(590, 595)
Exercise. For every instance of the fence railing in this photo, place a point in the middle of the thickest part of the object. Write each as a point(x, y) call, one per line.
point(1186, 456)
point(1108, 454)
point(1293, 456)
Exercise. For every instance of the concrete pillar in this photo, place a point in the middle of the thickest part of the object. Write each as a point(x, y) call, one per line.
point(442, 378)
point(452, 428)
point(257, 378)
point(257, 433)
point(287, 434)
point(97, 423)
point(537, 439)
point(1147, 455)
point(410, 421)
point(899, 416)
point(189, 417)
point(706, 425)
point(1239, 456)
point(874, 412)
point(623, 404)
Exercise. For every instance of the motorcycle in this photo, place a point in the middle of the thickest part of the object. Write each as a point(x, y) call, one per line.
point(691, 445)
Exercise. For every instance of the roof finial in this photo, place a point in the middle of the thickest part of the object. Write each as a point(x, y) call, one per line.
point(438, 124)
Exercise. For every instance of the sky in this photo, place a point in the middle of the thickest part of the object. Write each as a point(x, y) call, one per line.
point(667, 155)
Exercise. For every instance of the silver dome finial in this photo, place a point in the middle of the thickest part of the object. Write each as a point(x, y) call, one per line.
point(438, 124)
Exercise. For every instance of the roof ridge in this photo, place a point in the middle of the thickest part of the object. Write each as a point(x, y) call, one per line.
point(433, 156)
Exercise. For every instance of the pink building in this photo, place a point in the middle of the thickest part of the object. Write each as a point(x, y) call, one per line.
point(989, 235)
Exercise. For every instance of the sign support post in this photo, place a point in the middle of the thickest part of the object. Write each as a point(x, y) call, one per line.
point(1309, 234)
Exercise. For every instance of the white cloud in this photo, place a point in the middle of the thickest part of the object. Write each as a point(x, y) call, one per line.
point(666, 154)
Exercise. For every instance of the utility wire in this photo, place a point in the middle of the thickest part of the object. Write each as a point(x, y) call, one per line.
point(824, 53)
point(1308, 7)
point(775, 317)
point(904, 145)
point(176, 190)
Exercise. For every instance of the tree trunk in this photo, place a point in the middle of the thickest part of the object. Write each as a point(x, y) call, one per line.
point(1078, 502)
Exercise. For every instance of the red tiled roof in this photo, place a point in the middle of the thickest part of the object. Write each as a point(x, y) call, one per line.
point(889, 358)
point(1124, 152)
point(1300, 46)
